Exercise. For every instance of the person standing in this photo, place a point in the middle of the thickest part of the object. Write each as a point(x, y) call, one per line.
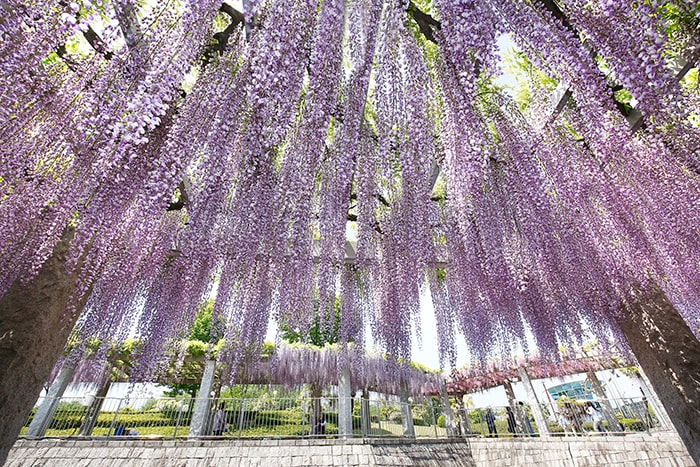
point(320, 428)
point(596, 417)
point(511, 421)
point(219, 420)
point(526, 418)
point(491, 423)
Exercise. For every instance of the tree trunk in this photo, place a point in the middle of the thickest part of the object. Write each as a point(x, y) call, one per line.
point(95, 408)
point(669, 353)
point(315, 409)
point(33, 332)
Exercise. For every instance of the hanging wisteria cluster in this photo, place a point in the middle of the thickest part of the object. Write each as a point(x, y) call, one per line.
point(295, 365)
point(471, 379)
point(191, 152)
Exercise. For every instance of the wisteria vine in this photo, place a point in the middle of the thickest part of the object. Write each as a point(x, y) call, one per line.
point(239, 177)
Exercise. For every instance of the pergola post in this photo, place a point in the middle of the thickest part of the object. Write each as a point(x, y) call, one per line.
point(201, 406)
point(95, 407)
point(540, 419)
point(409, 430)
point(366, 418)
point(510, 394)
point(344, 404)
point(47, 409)
point(447, 411)
point(464, 422)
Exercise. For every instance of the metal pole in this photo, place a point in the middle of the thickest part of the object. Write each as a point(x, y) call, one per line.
point(47, 409)
point(114, 419)
point(432, 414)
point(241, 418)
point(181, 408)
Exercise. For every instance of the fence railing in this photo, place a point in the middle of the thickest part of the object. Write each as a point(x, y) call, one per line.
point(564, 418)
point(318, 417)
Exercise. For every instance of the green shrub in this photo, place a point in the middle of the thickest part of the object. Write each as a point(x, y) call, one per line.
point(632, 424)
point(441, 421)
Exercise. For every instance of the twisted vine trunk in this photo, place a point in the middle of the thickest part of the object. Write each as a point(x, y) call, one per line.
point(34, 329)
point(669, 354)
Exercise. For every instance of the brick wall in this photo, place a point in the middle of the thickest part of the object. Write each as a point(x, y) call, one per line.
point(656, 449)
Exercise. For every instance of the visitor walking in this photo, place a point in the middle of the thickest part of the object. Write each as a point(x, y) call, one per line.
point(596, 417)
point(526, 418)
point(320, 428)
point(219, 420)
point(563, 422)
point(647, 411)
point(491, 423)
point(572, 413)
point(510, 416)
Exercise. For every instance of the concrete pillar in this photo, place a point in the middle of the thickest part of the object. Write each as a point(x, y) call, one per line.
point(465, 427)
point(608, 411)
point(406, 413)
point(47, 409)
point(247, 6)
point(540, 419)
point(95, 407)
point(200, 414)
point(510, 394)
point(450, 426)
point(365, 415)
point(344, 404)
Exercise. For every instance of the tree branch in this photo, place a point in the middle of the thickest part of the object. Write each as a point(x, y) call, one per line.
point(426, 23)
point(93, 39)
point(96, 42)
point(222, 37)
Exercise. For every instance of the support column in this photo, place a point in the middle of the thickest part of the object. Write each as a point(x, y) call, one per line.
point(406, 413)
point(608, 411)
point(95, 407)
point(366, 417)
point(540, 419)
point(200, 414)
point(510, 394)
point(450, 426)
point(344, 404)
point(47, 409)
point(464, 422)
point(669, 353)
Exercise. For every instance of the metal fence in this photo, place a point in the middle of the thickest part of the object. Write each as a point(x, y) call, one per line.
point(563, 418)
point(265, 417)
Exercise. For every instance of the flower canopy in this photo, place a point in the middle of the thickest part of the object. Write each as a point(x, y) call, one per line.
point(479, 378)
point(193, 150)
point(293, 365)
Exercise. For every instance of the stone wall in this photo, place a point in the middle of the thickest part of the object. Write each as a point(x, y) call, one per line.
point(656, 449)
